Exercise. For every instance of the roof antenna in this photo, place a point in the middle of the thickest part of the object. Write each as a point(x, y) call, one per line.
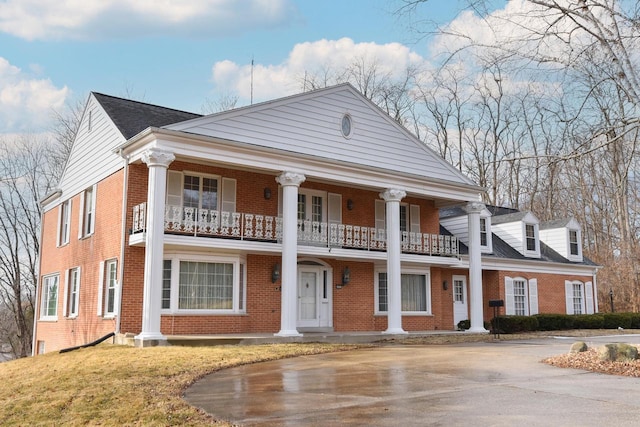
point(252, 80)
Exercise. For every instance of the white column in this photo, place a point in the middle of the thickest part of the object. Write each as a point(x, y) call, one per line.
point(290, 181)
point(475, 268)
point(392, 197)
point(157, 161)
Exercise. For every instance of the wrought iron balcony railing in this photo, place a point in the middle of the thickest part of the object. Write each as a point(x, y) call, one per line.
point(246, 226)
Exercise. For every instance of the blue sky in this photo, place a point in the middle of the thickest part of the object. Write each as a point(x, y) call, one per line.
point(182, 53)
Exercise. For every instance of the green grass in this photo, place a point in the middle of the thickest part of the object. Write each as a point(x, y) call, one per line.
point(118, 385)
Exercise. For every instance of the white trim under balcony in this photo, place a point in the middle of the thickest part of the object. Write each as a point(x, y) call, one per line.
point(194, 222)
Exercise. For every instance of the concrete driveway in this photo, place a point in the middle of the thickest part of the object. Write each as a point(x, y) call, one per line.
point(475, 384)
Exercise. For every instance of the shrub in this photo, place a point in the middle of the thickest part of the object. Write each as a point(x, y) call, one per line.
point(588, 321)
point(514, 324)
point(617, 320)
point(463, 325)
point(554, 322)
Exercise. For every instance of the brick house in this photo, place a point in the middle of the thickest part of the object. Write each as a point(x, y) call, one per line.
point(314, 212)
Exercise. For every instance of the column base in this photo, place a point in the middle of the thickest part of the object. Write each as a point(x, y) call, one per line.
point(146, 339)
point(288, 333)
point(477, 330)
point(395, 331)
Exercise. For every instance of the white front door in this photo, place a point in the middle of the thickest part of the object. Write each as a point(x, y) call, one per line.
point(314, 297)
point(460, 306)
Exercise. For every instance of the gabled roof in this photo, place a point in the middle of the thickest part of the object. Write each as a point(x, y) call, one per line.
point(309, 124)
point(558, 223)
point(132, 117)
point(505, 219)
point(502, 250)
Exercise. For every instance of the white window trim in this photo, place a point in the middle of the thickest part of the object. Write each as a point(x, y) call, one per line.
point(536, 233)
point(415, 271)
point(68, 294)
point(488, 248)
point(531, 296)
point(82, 218)
point(309, 193)
point(43, 302)
point(105, 293)
point(238, 262)
point(63, 240)
point(587, 302)
point(570, 256)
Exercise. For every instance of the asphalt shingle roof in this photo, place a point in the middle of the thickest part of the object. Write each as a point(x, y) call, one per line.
point(132, 117)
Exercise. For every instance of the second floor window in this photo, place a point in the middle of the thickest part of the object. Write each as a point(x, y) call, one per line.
point(64, 222)
point(200, 192)
point(87, 212)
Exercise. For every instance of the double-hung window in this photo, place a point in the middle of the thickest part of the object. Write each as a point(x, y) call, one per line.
point(194, 284)
point(73, 292)
point(521, 296)
point(579, 297)
point(200, 192)
point(483, 232)
point(108, 290)
point(530, 236)
point(64, 222)
point(87, 212)
point(415, 293)
point(574, 247)
point(49, 307)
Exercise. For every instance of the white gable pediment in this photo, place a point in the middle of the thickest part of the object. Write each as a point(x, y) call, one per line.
point(311, 124)
point(92, 157)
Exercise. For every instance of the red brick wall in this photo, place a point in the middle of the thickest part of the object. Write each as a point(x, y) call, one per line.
point(85, 253)
point(353, 304)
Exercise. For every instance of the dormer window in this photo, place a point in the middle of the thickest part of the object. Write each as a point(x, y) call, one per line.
point(483, 232)
point(574, 247)
point(530, 235)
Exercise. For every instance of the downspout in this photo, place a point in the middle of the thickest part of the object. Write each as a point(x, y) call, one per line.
point(123, 235)
point(36, 303)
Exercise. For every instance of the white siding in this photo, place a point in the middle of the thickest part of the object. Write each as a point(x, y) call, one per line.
point(310, 124)
point(511, 233)
point(92, 158)
point(557, 239)
point(458, 226)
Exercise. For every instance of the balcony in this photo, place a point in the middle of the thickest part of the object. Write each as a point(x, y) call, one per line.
point(255, 227)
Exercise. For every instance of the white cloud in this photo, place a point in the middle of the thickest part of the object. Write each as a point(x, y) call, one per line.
point(313, 58)
point(83, 19)
point(26, 103)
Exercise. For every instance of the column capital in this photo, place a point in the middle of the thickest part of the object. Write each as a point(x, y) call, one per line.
point(155, 157)
point(290, 178)
point(474, 207)
point(393, 195)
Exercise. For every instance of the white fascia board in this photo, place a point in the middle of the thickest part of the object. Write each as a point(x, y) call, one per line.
point(534, 266)
point(201, 148)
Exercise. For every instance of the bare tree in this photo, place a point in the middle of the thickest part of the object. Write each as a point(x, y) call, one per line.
point(26, 179)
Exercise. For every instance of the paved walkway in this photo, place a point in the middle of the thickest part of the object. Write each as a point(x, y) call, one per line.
point(475, 384)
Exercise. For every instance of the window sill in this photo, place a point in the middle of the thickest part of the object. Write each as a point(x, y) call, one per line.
point(85, 236)
point(202, 313)
point(407, 314)
point(48, 319)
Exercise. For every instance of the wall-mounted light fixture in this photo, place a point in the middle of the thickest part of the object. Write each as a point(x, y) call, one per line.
point(346, 276)
point(267, 193)
point(275, 273)
point(445, 285)
point(350, 204)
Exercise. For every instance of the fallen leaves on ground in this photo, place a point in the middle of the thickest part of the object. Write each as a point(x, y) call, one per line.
point(589, 361)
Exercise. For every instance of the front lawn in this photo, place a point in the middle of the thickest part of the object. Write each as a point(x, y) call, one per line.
point(118, 385)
